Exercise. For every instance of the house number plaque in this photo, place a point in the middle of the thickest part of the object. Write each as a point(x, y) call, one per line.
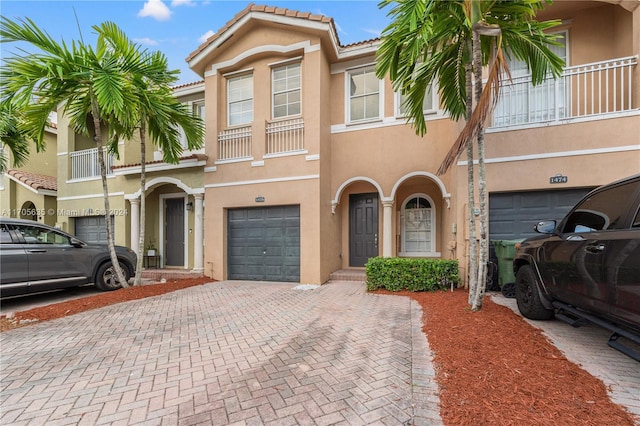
point(558, 179)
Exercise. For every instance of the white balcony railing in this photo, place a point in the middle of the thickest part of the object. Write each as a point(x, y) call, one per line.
point(285, 136)
point(234, 143)
point(585, 90)
point(84, 164)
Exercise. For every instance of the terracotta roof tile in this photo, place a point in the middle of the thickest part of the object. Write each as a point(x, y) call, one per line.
point(188, 157)
point(35, 180)
point(193, 83)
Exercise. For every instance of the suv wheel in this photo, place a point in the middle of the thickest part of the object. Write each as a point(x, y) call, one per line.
point(106, 278)
point(528, 296)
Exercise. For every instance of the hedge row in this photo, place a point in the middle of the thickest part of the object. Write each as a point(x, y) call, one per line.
point(395, 274)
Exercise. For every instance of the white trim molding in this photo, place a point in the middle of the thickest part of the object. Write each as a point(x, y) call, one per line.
point(336, 199)
point(261, 181)
point(165, 180)
point(266, 48)
point(87, 197)
point(559, 154)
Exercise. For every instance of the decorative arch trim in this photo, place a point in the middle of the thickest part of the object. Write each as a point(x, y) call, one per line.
point(165, 180)
point(268, 48)
point(443, 189)
point(336, 200)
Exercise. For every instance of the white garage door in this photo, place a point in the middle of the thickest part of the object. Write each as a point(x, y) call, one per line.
point(264, 244)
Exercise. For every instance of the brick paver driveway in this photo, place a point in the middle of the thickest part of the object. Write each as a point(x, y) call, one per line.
point(231, 352)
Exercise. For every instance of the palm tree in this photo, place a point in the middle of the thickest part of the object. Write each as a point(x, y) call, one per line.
point(156, 112)
point(431, 40)
point(89, 82)
point(13, 137)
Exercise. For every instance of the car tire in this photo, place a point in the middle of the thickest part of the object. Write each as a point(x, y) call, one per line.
point(528, 296)
point(106, 279)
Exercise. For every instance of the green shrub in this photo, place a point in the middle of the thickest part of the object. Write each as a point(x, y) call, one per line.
point(413, 274)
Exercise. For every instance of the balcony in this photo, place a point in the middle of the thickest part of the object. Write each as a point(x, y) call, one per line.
point(281, 138)
point(284, 137)
point(235, 144)
point(84, 164)
point(583, 91)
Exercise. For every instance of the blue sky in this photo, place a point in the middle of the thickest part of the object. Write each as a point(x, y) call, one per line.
point(177, 27)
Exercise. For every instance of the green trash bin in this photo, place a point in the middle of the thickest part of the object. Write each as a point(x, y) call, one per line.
point(505, 252)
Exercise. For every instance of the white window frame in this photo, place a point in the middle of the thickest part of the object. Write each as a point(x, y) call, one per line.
point(230, 80)
point(427, 111)
point(287, 90)
point(348, 97)
point(431, 250)
point(194, 107)
point(533, 92)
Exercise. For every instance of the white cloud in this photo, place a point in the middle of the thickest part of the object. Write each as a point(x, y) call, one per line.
point(176, 3)
point(146, 41)
point(155, 9)
point(205, 36)
point(339, 29)
point(375, 33)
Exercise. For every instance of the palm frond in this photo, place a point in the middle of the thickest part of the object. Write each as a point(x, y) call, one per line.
point(479, 115)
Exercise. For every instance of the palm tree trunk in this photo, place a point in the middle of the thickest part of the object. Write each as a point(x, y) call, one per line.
point(478, 294)
point(143, 202)
point(472, 245)
point(95, 113)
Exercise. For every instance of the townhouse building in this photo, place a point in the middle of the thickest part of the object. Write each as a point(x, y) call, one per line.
point(309, 165)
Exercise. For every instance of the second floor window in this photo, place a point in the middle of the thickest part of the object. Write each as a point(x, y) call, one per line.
point(197, 109)
point(240, 100)
point(364, 94)
point(429, 105)
point(286, 86)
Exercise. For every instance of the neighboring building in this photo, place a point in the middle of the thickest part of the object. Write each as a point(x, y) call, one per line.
point(311, 166)
point(30, 191)
point(174, 194)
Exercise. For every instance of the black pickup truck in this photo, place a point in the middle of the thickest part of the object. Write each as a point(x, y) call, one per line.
point(586, 268)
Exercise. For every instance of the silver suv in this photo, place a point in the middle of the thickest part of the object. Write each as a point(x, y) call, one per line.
point(35, 257)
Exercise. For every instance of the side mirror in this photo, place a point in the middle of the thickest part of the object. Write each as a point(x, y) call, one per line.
point(545, 227)
point(76, 243)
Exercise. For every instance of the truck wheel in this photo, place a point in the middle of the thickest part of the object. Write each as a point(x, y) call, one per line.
point(528, 296)
point(106, 278)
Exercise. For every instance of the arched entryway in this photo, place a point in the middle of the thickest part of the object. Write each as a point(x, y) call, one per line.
point(420, 204)
point(29, 211)
point(174, 232)
point(359, 199)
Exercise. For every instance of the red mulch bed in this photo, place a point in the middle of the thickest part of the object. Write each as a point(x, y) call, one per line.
point(492, 367)
point(70, 307)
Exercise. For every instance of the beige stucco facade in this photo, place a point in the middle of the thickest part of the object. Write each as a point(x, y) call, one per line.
point(382, 155)
point(344, 149)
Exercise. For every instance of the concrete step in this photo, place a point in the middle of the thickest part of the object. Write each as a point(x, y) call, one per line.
point(350, 274)
point(169, 274)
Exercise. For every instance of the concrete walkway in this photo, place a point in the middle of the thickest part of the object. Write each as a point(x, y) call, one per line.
point(225, 353)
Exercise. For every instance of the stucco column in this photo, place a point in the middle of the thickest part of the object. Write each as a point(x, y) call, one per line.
point(198, 234)
point(135, 224)
point(387, 230)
